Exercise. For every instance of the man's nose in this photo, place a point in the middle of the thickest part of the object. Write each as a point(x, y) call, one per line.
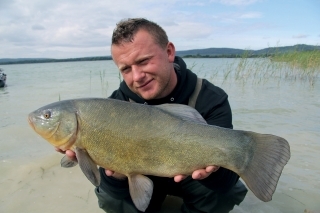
point(137, 73)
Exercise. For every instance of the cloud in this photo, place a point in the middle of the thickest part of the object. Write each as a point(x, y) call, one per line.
point(250, 15)
point(300, 36)
point(69, 26)
point(4, 4)
point(197, 3)
point(236, 2)
point(37, 27)
point(248, 27)
point(83, 28)
point(189, 30)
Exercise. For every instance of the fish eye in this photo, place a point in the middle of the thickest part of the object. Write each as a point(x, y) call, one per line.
point(47, 114)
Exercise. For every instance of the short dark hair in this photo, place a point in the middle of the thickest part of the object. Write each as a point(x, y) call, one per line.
point(126, 29)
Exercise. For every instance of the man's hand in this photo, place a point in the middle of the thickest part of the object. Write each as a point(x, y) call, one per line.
point(71, 154)
point(115, 174)
point(198, 174)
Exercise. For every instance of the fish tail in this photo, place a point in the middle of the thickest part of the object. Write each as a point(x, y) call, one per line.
point(271, 154)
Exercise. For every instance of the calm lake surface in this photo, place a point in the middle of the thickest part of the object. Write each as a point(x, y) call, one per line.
point(264, 98)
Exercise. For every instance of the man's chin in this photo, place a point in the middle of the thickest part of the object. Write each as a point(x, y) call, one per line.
point(148, 96)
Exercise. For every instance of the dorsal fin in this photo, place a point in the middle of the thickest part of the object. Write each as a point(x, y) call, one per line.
point(183, 111)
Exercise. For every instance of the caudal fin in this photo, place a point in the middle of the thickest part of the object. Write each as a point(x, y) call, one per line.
point(271, 154)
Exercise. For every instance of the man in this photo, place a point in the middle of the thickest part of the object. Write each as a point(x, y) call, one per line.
point(153, 75)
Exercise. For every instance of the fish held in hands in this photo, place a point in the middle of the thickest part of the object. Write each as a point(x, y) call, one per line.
point(163, 140)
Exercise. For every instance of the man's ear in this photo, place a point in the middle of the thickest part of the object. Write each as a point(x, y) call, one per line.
point(171, 51)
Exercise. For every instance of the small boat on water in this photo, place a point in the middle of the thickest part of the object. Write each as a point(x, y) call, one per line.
point(3, 78)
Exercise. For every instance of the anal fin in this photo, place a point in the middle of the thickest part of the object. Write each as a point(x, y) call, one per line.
point(141, 188)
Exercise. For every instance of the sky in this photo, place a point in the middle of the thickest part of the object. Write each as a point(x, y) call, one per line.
point(82, 28)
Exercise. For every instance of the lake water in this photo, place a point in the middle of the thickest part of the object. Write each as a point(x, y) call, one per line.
point(264, 98)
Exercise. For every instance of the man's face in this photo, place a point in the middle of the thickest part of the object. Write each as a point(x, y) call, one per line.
point(146, 67)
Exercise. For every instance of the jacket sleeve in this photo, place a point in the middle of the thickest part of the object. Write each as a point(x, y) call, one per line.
point(213, 105)
point(118, 189)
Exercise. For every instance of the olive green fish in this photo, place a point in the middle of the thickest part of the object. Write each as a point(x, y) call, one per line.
point(164, 140)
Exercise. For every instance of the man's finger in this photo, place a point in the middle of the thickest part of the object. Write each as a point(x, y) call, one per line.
point(210, 169)
point(59, 150)
point(198, 174)
point(109, 172)
point(179, 178)
point(71, 155)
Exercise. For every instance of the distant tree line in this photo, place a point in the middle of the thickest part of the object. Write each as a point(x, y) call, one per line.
point(32, 61)
point(197, 53)
point(230, 56)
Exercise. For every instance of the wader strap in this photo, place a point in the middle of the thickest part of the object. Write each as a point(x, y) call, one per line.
point(194, 95)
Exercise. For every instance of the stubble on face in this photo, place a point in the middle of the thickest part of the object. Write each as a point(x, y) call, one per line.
point(146, 67)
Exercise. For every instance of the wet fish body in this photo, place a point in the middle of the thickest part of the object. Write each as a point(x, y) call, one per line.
point(164, 140)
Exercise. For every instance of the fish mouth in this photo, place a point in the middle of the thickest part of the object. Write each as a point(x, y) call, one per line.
point(31, 122)
point(44, 135)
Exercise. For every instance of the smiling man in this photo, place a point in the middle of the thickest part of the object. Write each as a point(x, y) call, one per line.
point(153, 75)
point(147, 69)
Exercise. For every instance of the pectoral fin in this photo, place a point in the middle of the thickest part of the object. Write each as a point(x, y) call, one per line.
point(88, 167)
point(67, 162)
point(141, 189)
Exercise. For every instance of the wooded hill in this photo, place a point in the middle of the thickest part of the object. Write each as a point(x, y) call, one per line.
point(230, 52)
point(196, 53)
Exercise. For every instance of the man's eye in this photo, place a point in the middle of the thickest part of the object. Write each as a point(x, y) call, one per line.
point(124, 70)
point(144, 61)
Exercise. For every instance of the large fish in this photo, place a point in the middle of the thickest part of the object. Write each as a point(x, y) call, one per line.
point(164, 140)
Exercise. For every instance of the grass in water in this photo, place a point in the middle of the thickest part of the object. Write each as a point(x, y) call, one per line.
point(120, 77)
point(104, 83)
point(303, 60)
point(303, 66)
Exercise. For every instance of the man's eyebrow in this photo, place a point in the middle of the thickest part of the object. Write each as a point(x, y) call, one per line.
point(143, 58)
point(123, 67)
point(139, 60)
